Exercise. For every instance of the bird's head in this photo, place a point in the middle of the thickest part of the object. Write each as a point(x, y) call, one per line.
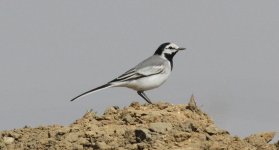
point(168, 50)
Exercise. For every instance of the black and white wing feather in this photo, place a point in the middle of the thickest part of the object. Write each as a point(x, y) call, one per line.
point(151, 66)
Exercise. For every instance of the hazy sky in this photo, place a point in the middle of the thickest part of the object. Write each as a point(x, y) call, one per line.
point(51, 51)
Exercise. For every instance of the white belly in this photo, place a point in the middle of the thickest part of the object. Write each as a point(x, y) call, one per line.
point(148, 83)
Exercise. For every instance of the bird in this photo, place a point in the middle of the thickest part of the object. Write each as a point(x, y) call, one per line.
point(149, 74)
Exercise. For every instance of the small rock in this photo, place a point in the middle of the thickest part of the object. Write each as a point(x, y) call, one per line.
point(135, 105)
point(128, 119)
point(116, 107)
point(192, 104)
point(212, 130)
point(8, 140)
point(162, 106)
point(102, 145)
point(26, 127)
point(58, 135)
point(111, 110)
point(160, 127)
point(77, 147)
point(192, 101)
point(15, 135)
point(89, 115)
point(142, 134)
point(72, 137)
point(83, 141)
point(188, 127)
point(180, 136)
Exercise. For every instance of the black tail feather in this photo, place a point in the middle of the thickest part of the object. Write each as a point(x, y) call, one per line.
point(90, 91)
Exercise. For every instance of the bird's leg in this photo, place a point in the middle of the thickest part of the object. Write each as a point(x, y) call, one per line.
point(143, 95)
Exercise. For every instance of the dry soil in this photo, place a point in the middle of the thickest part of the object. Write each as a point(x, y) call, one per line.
point(137, 127)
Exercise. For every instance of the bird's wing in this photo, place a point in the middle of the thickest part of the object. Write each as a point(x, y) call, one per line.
point(136, 73)
point(150, 70)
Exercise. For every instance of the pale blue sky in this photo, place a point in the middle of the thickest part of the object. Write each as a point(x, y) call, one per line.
point(53, 50)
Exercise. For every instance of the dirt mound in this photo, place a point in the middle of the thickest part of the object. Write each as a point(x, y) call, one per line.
point(158, 126)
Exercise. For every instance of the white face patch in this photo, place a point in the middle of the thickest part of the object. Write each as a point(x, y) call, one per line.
point(169, 51)
point(171, 48)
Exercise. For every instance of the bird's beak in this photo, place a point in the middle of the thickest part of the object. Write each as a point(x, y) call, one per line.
point(181, 48)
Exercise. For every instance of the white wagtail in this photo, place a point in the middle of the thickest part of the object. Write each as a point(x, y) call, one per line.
point(147, 75)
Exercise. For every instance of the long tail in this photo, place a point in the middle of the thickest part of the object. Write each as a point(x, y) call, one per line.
point(93, 90)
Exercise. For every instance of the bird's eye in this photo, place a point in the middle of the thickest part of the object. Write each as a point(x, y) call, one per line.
point(171, 47)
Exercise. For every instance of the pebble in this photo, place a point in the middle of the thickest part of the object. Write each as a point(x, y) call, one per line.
point(8, 140)
point(142, 134)
point(102, 145)
point(128, 119)
point(160, 127)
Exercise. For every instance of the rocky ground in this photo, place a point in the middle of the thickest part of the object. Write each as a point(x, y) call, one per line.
point(158, 126)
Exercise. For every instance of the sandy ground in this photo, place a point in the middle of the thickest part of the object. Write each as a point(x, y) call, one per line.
point(139, 127)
